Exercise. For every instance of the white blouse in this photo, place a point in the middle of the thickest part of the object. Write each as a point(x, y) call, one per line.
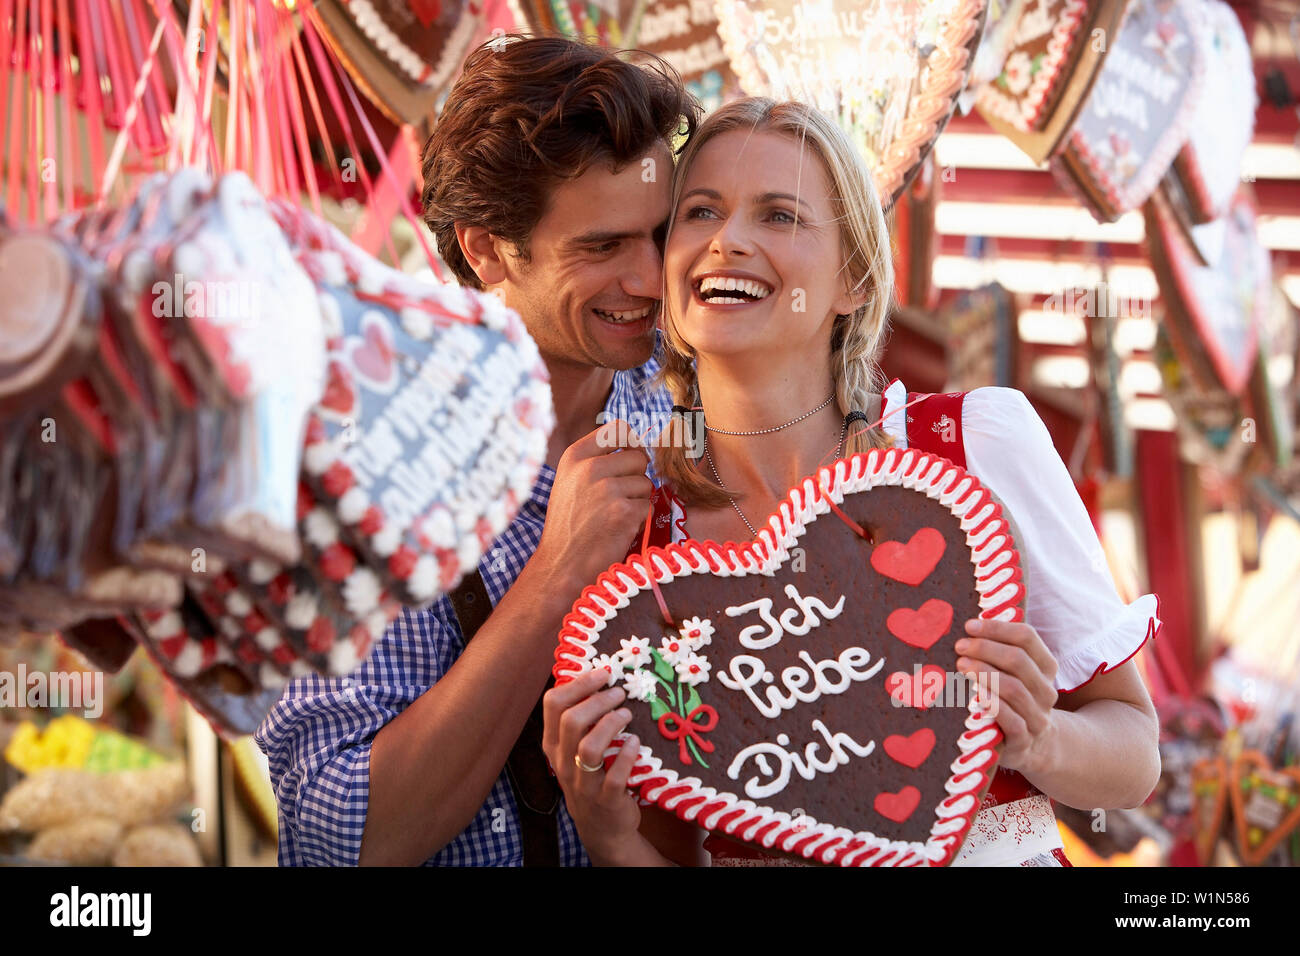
point(1070, 596)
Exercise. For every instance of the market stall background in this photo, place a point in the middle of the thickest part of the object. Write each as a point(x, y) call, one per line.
point(1096, 203)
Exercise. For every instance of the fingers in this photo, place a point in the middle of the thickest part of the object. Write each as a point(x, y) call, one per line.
point(1018, 634)
point(592, 747)
point(1010, 650)
point(559, 699)
point(616, 776)
point(609, 437)
point(637, 487)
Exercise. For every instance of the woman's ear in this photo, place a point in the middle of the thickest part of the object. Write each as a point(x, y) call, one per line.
point(482, 251)
point(851, 301)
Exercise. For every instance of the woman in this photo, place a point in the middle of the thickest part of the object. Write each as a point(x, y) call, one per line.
point(778, 285)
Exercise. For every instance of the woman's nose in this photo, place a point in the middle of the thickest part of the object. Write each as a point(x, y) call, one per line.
point(731, 238)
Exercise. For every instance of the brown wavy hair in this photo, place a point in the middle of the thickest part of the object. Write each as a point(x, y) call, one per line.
point(528, 113)
point(868, 266)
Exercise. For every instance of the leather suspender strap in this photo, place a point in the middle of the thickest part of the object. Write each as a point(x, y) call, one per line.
point(537, 793)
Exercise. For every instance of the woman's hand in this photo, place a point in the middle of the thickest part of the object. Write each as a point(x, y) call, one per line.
point(1011, 661)
point(581, 719)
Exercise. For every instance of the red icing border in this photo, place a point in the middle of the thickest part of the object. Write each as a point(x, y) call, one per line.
point(997, 578)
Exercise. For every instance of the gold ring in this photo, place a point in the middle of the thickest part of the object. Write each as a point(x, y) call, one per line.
point(577, 759)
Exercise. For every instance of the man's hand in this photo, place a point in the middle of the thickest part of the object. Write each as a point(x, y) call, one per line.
point(598, 502)
point(582, 718)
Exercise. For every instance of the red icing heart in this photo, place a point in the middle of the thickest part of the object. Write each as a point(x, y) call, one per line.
point(426, 11)
point(910, 563)
point(916, 690)
point(373, 357)
point(912, 750)
point(339, 396)
point(898, 806)
point(922, 627)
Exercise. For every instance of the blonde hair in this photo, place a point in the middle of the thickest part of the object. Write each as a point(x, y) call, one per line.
point(856, 339)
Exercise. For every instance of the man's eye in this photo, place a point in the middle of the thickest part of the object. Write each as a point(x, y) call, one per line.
point(605, 247)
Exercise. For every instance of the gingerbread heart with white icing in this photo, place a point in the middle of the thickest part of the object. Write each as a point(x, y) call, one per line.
point(1138, 114)
point(806, 701)
point(447, 415)
point(889, 72)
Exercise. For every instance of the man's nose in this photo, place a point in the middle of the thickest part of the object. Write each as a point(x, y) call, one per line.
point(645, 275)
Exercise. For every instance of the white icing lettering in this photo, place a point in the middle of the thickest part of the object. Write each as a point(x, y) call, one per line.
point(744, 672)
point(807, 766)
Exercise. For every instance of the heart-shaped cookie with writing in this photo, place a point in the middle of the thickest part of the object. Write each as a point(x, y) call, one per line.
point(1265, 803)
point(805, 699)
point(1139, 112)
point(889, 71)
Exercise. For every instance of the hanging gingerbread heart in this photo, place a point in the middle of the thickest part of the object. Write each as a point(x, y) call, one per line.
point(805, 699)
point(685, 33)
point(1049, 67)
point(1208, 167)
point(433, 423)
point(1214, 312)
point(1265, 804)
point(889, 71)
point(1209, 804)
point(1139, 111)
point(611, 23)
point(402, 53)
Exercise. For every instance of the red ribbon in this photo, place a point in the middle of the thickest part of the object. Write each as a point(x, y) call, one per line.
point(689, 729)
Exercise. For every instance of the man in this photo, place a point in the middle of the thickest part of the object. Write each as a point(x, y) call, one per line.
point(546, 182)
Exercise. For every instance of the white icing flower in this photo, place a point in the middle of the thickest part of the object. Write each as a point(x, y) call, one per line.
point(260, 571)
point(468, 552)
point(318, 457)
point(440, 528)
point(693, 670)
point(635, 652)
point(376, 622)
point(1017, 72)
point(320, 529)
point(332, 268)
point(238, 604)
point(331, 318)
point(674, 650)
point(417, 323)
point(301, 611)
point(189, 660)
point(386, 539)
point(640, 685)
point(697, 631)
point(343, 658)
point(353, 505)
point(423, 582)
point(611, 663)
point(361, 592)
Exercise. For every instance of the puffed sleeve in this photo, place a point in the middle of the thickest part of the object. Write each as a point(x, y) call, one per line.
point(1071, 598)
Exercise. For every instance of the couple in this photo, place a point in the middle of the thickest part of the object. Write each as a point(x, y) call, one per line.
point(763, 255)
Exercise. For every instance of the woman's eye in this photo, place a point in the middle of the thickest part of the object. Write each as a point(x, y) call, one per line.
point(698, 212)
point(781, 216)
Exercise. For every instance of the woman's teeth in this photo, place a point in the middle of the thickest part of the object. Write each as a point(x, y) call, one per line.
point(713, 289)
point(631, 316)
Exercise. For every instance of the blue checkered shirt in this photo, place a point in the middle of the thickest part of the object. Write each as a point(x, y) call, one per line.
point(317, 737)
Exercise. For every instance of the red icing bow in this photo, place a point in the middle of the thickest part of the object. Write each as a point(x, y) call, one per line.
point(673, 727)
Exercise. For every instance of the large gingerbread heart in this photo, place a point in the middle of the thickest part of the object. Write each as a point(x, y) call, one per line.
point(890, 72)
point(806, 700)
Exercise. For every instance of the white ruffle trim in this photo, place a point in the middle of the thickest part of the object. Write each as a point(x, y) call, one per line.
point(1131, 628)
